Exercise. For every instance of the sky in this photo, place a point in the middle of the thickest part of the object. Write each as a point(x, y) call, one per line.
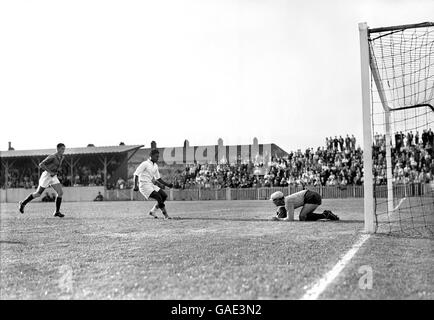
point(106, 71)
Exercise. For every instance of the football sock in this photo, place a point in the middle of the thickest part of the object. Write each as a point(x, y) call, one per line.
point(28, 199)
point(154, 208)
point(58, 202)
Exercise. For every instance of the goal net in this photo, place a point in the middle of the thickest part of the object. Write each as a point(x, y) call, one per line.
point(398, 104)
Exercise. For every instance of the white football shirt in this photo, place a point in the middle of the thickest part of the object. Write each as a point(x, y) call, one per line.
point(147, 171)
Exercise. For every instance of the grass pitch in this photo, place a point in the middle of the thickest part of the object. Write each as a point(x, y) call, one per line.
point(214, 250)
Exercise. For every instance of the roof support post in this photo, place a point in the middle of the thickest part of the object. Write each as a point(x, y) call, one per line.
point(105, 163)
point(71, 169)
point(72, 165)
point(6, 164)
point(36, 164)
point(105, 171)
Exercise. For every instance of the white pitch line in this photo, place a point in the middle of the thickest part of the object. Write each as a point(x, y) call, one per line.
point(315, 291)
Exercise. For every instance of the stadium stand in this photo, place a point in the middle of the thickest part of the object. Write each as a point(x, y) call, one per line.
point(89, 166)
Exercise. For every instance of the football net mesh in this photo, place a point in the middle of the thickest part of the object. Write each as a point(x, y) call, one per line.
point(402, 100)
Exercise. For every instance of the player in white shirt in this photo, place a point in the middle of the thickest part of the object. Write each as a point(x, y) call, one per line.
point(306, 199)
point(147, 179)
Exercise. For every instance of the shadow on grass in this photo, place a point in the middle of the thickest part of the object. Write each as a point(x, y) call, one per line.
point(223, 219)
point(350, 221)
point(262, 220)
point(11, 242)
point(414, 234)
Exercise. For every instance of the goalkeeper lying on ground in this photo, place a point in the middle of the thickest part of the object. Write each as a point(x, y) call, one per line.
point(307, 199)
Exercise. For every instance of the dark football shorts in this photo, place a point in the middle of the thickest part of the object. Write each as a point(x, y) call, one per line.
point(312, 197)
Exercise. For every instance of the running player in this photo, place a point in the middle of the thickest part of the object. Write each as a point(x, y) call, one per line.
point(147, 179)
point(306, 199)
point(51, 165)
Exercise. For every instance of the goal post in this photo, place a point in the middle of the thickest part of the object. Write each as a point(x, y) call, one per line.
point(397, 77)
point(367, 131)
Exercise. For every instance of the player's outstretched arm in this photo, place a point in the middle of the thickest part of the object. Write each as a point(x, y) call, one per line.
point(136, 183)
point(164, 183)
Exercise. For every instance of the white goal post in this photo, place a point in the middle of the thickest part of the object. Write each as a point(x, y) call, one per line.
point(368, 182)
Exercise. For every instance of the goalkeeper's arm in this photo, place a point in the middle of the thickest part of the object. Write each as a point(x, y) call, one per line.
point(289, 206)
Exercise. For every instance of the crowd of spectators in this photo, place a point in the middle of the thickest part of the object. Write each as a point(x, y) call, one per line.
point(338, 163)
point(83, 176)
point(29, 177)
point(25, 178)
point(412, 158)
point(217, 176)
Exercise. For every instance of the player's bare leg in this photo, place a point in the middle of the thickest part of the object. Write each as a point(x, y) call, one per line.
point(29, 198)
point(58, 188)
